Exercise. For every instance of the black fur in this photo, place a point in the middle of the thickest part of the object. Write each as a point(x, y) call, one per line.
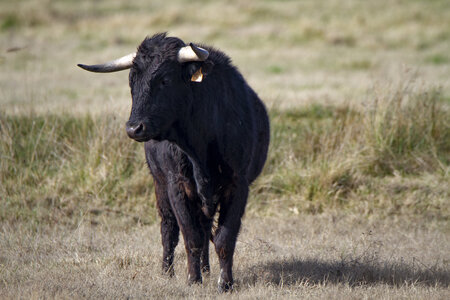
point(205, 143)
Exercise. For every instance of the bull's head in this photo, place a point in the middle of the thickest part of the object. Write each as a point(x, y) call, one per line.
point(161, 72)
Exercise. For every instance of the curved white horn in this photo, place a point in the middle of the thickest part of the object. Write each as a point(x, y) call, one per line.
point(192, 53)
point(119, 64)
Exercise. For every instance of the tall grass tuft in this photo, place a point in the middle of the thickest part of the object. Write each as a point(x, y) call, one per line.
point(53, 166)
point(406, 132)
point(346, 157)
point(320, 158)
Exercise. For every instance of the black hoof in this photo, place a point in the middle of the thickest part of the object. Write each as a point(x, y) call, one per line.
point(194, 280)
point(224, 287)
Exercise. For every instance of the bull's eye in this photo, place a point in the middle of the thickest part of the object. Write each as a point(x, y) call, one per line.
point(164, 82)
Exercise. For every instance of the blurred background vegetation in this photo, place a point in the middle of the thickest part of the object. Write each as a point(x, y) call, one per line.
point(358, 93)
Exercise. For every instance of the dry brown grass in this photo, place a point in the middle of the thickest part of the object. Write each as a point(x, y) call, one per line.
point(294, 52)
point(332, 256)
point(363, 149)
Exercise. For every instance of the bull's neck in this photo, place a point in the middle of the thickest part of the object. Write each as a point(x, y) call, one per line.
point(191, 134)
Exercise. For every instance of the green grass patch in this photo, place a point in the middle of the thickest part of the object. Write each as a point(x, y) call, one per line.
point(64, 165)
point(274, 69)
point(438, 59)
point(10, 21)
point(391, 157)
point(324, 158)
point(358, 65)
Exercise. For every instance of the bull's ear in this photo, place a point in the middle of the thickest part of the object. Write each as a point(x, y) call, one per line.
point(196, 71)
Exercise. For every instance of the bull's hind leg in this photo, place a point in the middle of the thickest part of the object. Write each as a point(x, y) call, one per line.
point(232, 208)
point(188, 215)
point(169, 228)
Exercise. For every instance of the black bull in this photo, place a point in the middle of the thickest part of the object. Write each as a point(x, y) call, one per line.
point(206, 137)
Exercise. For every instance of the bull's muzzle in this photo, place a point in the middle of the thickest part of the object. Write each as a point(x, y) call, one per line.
point(137, 132)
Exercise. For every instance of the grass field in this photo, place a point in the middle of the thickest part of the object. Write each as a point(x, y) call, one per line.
point(354, 198)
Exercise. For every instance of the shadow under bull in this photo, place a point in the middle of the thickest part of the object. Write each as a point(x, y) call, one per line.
point(354, 273)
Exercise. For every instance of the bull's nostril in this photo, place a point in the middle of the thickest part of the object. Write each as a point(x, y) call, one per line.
point(139, 129)
point(136, 131)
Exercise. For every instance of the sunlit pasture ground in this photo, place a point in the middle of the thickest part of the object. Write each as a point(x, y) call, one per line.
point(292, 52)
point(353, 201)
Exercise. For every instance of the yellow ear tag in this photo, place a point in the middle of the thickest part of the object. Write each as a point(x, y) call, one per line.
point(198, 76)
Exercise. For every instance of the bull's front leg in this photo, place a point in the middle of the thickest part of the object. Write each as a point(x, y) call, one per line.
point(169, 235)
point(201, 176)
point(204, 188)
point(232, 207)
point(169, 228)
point(188, 217)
